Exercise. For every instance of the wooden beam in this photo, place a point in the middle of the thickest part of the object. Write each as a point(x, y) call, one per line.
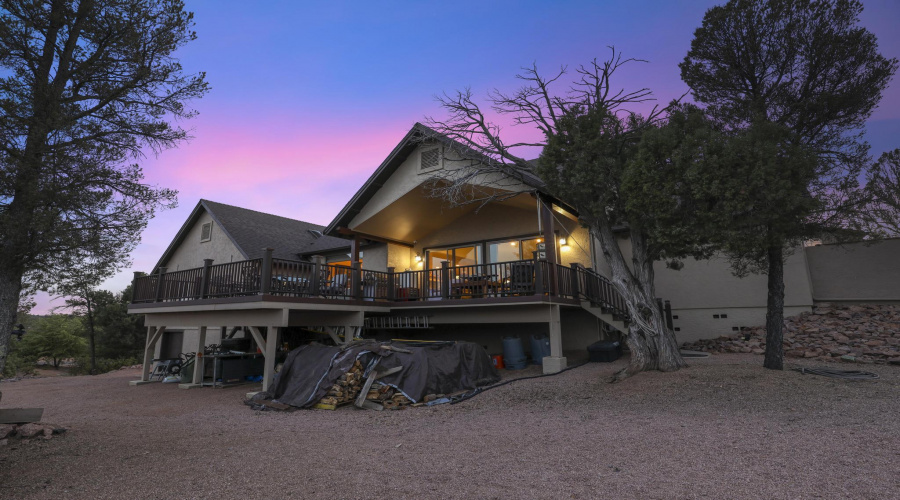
point(257, 336)
point(271, 351)
point(153, 335)
point(349, 232)
point(201, 344)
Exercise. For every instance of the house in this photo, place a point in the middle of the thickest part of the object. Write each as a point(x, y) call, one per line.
point(396, 256)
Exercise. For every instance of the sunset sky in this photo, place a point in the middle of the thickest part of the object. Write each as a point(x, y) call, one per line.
point(307, 101)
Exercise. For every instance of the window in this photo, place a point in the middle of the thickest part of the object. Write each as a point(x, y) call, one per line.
point(206, 232)
point(510, 250)
point(459, 256)
point(430, 158)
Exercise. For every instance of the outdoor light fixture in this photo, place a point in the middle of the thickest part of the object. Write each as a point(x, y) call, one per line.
point(562, 242)
point(418, 258)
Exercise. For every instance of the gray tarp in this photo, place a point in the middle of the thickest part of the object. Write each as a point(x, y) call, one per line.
point(310, 371)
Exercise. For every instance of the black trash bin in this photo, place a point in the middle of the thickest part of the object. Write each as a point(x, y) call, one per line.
point(604, 351)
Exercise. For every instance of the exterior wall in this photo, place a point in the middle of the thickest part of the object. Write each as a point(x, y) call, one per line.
point(579, 240)
point(406, 178)
point(409, 176)
point(579, 329)
point(191, 336)
point(399, 257)
point(855, 272)
point(192, 251)
point(704, 289)
point(375, 258)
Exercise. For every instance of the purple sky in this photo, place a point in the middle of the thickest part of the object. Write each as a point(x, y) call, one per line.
point(307, 102)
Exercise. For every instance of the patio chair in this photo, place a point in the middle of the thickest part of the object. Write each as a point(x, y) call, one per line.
point(521, 278)
point(337, 287)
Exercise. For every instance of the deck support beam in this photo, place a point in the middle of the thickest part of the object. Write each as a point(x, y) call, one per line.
point(153, 335)
point(555, 362)
point(271, 349)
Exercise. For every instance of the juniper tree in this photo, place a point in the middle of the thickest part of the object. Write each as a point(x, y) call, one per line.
point(590, 134)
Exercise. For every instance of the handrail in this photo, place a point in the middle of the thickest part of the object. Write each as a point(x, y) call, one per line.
point(597, 289)
point(294, 278)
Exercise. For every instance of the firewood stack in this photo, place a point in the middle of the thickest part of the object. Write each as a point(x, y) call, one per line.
point(388, 397)
point(347, 388)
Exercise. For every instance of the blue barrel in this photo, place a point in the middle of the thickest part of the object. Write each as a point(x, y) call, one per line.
point(513, 353)
point(540, 348)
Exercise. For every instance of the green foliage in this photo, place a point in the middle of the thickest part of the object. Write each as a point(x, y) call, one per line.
point(792, 82)
point(883, 186)
point(17, 364)
point(119, 334)
point(56, 337)
point(86, 89)
point(104, 365)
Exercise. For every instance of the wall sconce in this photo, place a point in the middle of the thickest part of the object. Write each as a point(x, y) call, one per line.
point(563, 245)
point(562, 242)
point(418, 258)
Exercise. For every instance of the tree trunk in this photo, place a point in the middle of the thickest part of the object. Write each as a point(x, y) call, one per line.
point(775, 311)
point(90, 318)
point(652, 344)
point(10, 287)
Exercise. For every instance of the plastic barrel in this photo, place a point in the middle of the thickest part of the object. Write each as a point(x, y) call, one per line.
point(540, 348)
point(513, 353)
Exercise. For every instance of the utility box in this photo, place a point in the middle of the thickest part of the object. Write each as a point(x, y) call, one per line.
point(604, 352)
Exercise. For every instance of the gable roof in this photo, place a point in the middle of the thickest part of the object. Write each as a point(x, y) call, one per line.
point(407, 145)
point(252, 231)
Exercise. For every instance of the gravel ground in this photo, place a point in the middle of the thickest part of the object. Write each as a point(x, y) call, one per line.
point(722, 428)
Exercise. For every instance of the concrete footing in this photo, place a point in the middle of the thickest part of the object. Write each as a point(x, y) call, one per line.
point(139, 382)
point(189, 386)
point(251, 394)
point(554, 364)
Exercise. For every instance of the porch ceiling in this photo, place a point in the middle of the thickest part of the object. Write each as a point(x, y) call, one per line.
point(416, 215)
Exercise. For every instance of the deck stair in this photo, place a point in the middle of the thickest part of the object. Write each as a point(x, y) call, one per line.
point(600, 298)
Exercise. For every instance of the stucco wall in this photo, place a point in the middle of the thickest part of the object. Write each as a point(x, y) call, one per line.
point(192, 251)
point(376, 258)
point(855, 272)
point(399, 257)
point(404, 179)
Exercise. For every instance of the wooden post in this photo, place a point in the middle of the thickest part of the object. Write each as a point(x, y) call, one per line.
point(204, 278)
point(265, 279)
point(552, 244)
point(160, 280)
point(354, 249)
point(555, 362)
point(391, 289)
point(314, 282)
point(538, 275)
point(445, 279)
point(153, 335)
point(355, 280)
point(576, 286)
point(271, 349)
point(198, 366)
point(134, 290)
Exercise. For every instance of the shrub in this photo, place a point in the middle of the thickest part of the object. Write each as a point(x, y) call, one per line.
point(104, 365)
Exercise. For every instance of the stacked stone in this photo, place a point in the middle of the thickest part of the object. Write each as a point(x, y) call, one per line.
point(866, 333)
point(29, 431)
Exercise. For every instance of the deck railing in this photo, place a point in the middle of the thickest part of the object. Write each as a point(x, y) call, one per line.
point(600, 291)
point(289, 278)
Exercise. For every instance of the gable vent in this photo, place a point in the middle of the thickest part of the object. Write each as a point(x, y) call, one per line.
point(430, 158)
point(206, 232)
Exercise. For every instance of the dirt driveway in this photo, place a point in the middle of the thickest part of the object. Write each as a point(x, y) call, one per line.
point(723, 428)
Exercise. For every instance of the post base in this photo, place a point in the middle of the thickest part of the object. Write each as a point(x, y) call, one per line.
point(139, 382)
point(190, 386)
point(554, 364)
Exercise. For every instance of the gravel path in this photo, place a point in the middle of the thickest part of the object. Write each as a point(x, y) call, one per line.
point(723, 428)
